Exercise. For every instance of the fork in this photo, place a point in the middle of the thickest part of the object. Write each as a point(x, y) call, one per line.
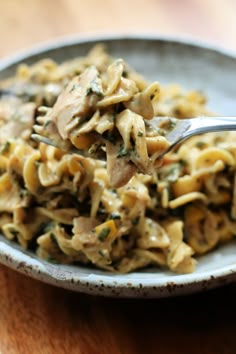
point(181, 129)
point(186, 128)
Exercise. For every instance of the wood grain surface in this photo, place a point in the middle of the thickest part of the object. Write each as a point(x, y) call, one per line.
point(40, 319)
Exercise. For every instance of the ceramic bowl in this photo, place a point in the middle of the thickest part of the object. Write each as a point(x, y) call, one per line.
point(194, 66)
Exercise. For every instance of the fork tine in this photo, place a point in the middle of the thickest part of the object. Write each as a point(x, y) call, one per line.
point(40, 120)
point(43, 109)
point(47, 141)
point(38, 129)
point(180, 127)
point(42, 139)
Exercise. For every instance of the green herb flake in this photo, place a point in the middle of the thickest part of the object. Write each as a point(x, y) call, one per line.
point(14, 232)
point(6, 147)
point(200, 144)
point(47, 123)
point(53, 238)
point(161, 132)
point(110, 137)
point(114, 216)
point(140, 133)
point(122, 151)
point(52, 260)
point(101, 253)
point(22, 193)
point(94, 88)
point(171, 123)
point(173, 173)
point(135, 220)
point(103, 234)
point(74, 87)
point(43, 227)
point(89, 91)
point(94, 148)
point(183, 162)
point(36, 164)
point(114, 191)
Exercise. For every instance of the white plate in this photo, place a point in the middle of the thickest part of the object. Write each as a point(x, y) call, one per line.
point(195, 66)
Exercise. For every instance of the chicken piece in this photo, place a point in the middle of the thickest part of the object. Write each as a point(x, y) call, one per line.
point(76, 101)
point(119, 169)
point(82, 231)
point(17, 118)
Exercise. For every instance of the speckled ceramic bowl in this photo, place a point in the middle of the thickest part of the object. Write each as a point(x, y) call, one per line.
point(193, 65)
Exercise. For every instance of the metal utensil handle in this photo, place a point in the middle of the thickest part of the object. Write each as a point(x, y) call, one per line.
point(211, 124)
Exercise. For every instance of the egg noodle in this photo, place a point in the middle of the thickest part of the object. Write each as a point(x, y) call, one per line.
point(129, 212)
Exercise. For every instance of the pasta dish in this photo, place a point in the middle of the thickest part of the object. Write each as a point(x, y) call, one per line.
point(125, 212)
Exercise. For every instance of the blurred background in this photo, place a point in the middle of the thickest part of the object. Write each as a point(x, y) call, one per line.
point(24, 23)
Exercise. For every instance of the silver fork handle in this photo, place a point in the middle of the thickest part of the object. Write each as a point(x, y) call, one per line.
point(185, 128)
point(202, 125)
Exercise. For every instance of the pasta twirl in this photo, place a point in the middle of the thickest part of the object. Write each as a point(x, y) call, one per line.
point(107, 112)
point(114, 215)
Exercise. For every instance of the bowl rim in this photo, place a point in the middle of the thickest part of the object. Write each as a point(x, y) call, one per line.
point(70, 40)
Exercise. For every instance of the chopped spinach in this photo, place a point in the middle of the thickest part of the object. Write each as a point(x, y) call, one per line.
point(122, 151)
point(140, 133)
point(114, 216)
point(6, 147)
point(135, 220)
point(200, 144)
point(103, 234)
point(53, 238)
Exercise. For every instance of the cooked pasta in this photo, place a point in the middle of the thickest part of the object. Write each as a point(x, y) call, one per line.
point(128, 212)
point(108, 113)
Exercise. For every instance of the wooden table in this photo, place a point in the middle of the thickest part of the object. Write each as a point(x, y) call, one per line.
point(36, 318)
